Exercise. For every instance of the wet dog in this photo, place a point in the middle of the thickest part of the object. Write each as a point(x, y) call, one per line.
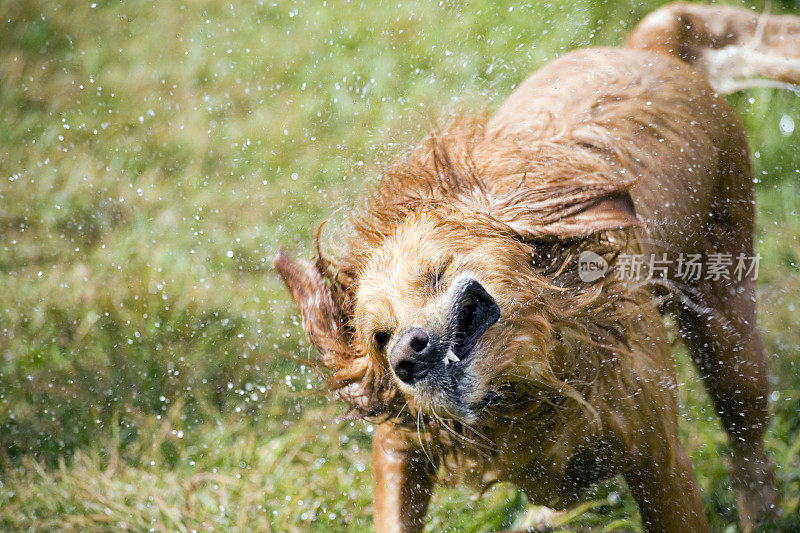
point(463, 318)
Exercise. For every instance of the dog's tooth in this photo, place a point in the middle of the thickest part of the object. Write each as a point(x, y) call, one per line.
point(452, 357)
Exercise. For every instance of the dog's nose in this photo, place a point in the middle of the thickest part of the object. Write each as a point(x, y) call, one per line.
point(413, 355)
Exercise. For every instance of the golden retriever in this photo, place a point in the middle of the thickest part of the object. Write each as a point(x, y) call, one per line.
point(459, 318)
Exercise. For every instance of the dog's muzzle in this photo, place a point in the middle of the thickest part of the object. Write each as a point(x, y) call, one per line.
point(417, 351)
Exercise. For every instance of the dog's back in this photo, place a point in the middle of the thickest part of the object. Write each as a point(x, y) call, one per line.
point(655, 120)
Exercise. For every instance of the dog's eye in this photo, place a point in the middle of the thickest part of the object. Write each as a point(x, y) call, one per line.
point(541, 248)
point(544, 252)
point(434, 278)
point(382, 339)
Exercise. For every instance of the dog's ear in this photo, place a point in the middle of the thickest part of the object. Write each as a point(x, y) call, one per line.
point(562, 212)
point(321, 311)
point(607, 212)
point(320, 298)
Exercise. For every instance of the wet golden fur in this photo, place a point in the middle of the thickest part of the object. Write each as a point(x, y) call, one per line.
point(583, 370)
point(573, 361)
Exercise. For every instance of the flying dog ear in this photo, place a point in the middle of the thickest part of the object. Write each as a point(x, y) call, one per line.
point(320, 298)
point(564, 212)
point(321, 314)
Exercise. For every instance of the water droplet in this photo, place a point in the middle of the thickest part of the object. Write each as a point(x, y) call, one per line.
point(786, 125)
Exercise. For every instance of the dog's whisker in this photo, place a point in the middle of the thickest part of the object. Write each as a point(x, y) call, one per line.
point(489, 443)
point(475, 446)
point(400, 412)
point(466, 439)
point(419, 437)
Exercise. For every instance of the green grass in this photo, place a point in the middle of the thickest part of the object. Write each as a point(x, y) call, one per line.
point(152, 157)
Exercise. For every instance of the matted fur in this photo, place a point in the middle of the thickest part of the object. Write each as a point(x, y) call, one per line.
point(459, 178)
point(574, 382)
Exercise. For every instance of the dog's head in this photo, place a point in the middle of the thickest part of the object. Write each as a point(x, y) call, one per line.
point(448, 294)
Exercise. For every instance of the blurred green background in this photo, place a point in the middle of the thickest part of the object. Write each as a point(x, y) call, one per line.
point(152, 157)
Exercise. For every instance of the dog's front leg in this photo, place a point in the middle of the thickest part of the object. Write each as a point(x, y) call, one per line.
point(668, 497)
point(403, 482)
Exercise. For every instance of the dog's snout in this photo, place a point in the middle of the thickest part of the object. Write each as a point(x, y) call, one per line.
point(413, 355)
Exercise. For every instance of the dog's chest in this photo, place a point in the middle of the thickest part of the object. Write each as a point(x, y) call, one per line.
point(551, 470)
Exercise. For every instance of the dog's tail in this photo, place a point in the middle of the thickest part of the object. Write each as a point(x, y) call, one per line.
point(735, 48)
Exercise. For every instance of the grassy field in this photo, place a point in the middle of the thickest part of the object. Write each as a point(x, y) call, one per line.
point(153, 155)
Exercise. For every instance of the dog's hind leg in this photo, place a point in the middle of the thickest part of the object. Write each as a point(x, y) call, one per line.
point(719, 328)
point(726, 348)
